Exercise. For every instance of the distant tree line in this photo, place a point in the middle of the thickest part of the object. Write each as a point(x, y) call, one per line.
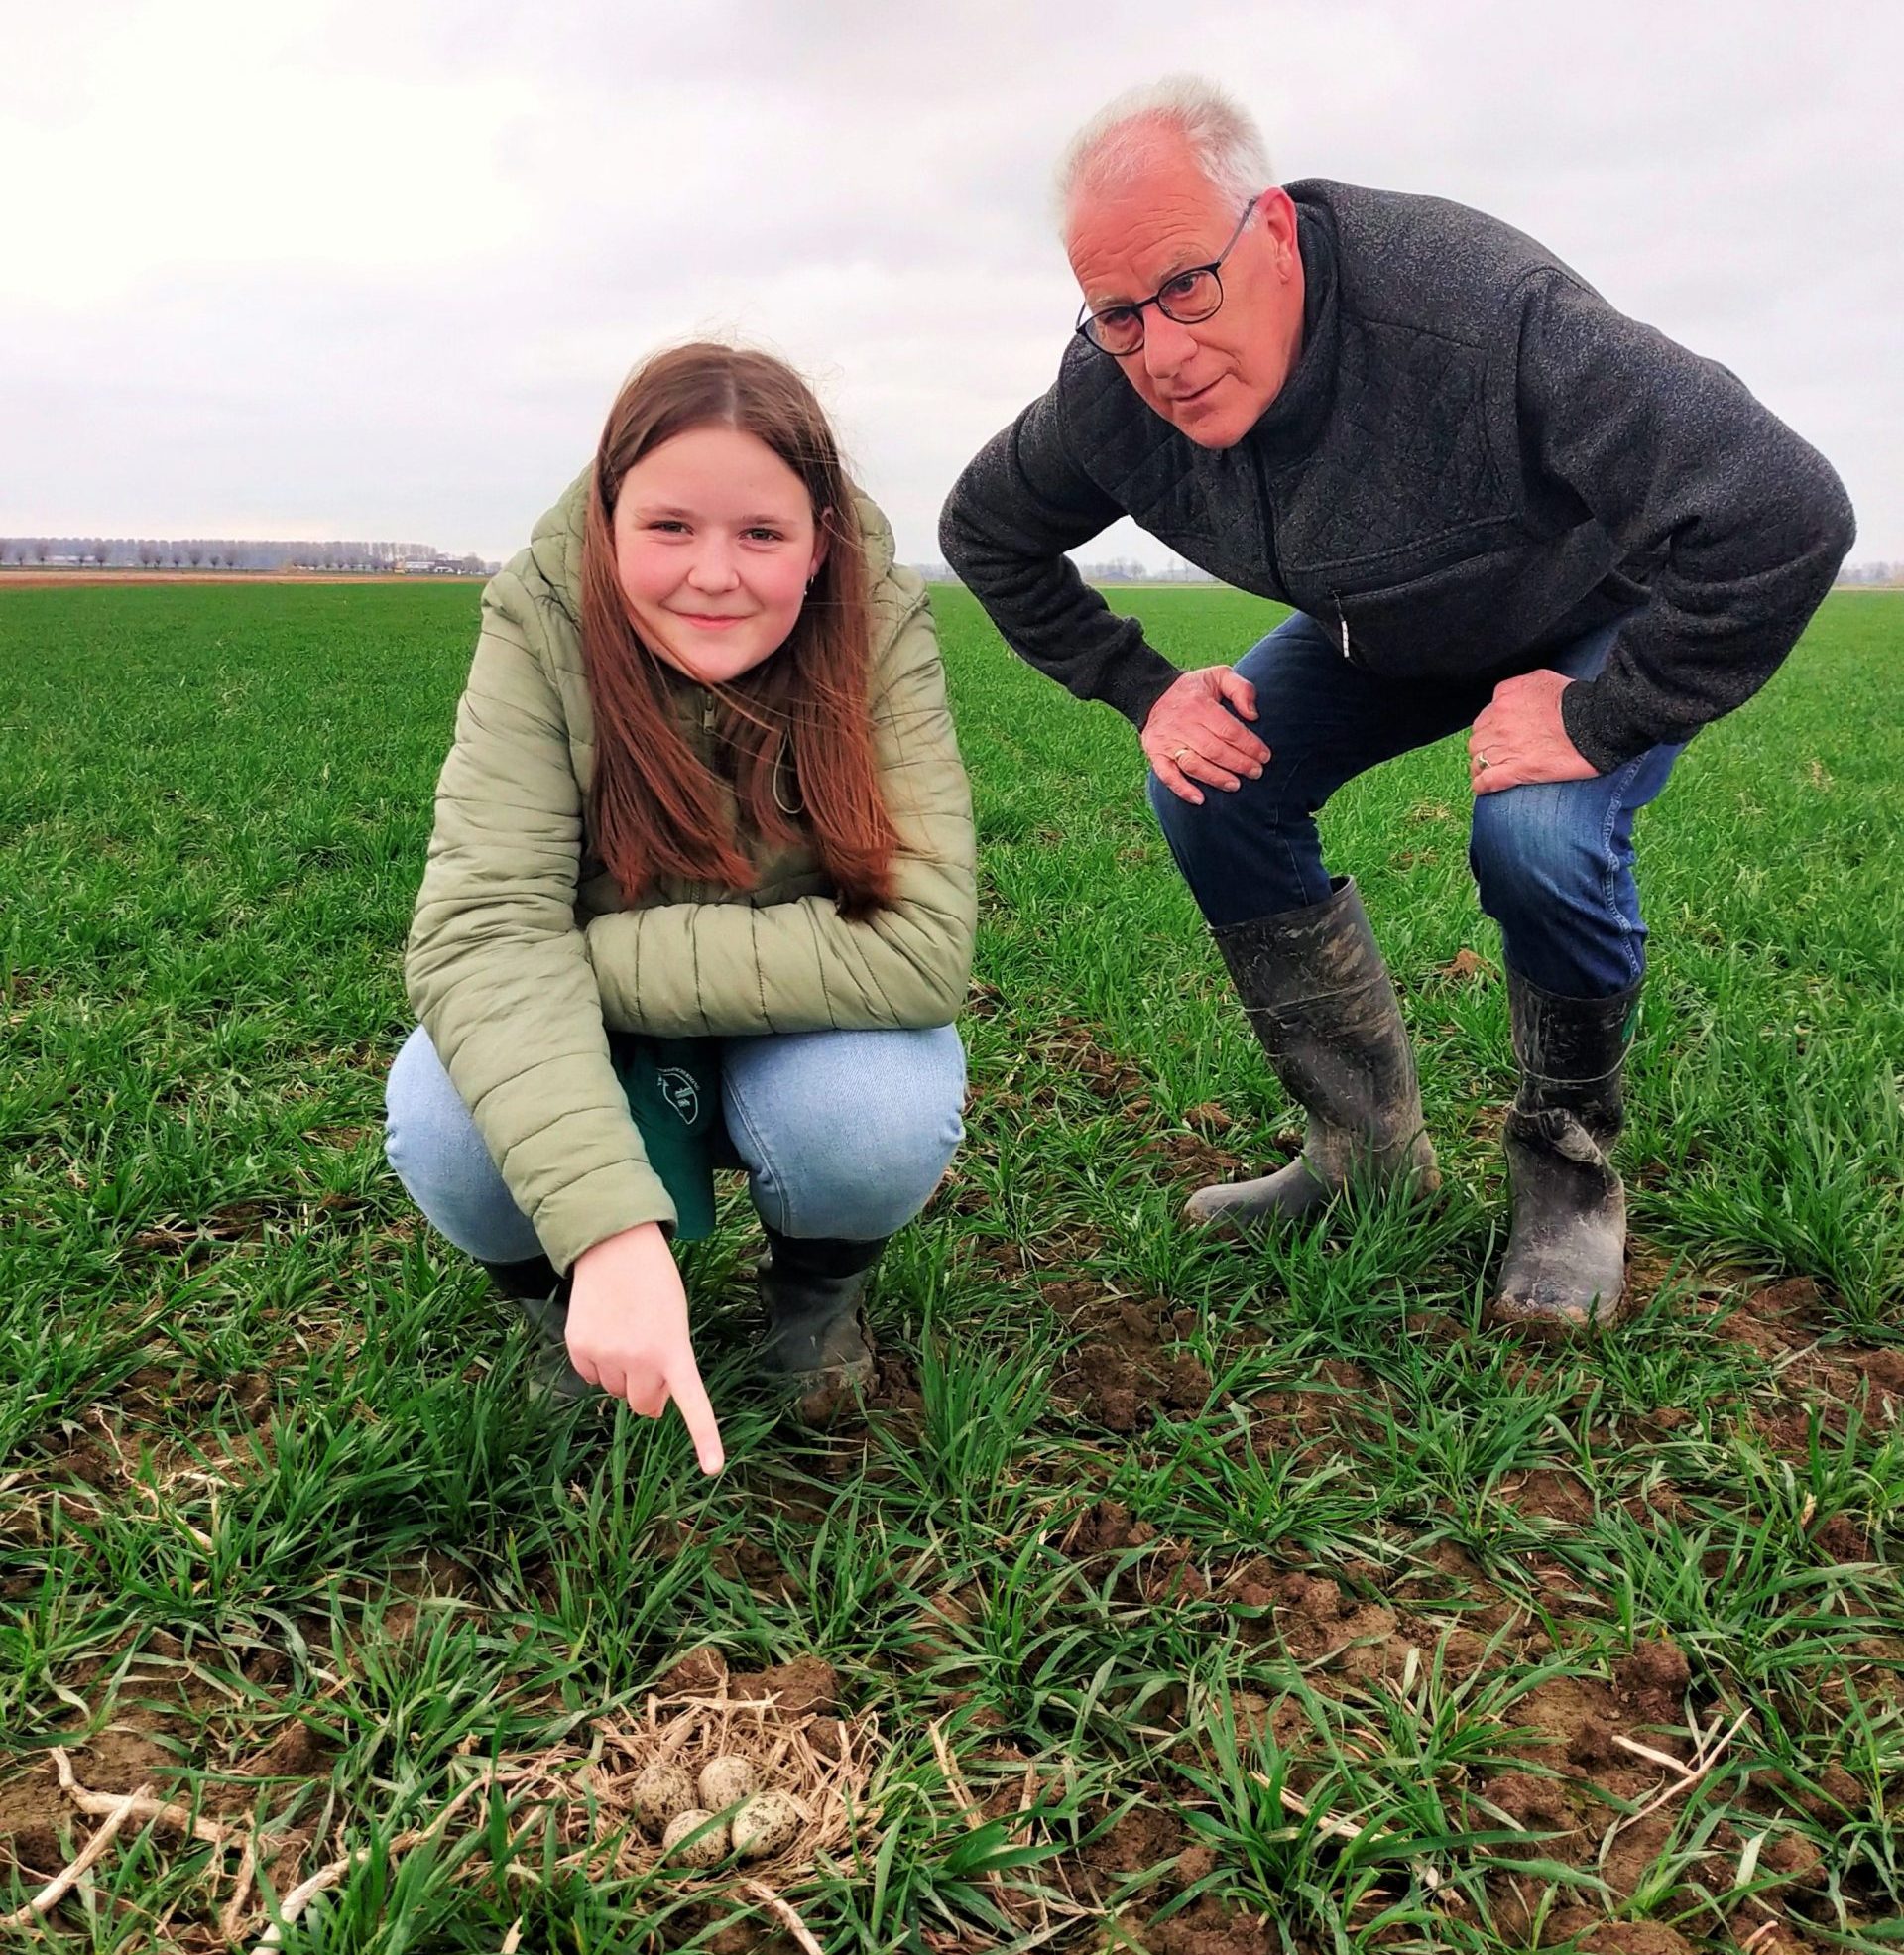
point(1871, 574)
point(228, 553)
point(1112, 570)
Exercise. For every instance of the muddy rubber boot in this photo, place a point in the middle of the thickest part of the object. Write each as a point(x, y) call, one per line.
point(1566, 1263)
point(1322, 1007)
point(542, 1297)
point(816, 1350)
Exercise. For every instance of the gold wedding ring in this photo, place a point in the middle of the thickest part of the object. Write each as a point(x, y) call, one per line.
point(1177, 757)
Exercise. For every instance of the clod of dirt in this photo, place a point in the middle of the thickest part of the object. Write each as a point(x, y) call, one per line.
point(1251, 1713)
point(1125, 1368)
point(697, 1675)
point(1592, 1744)
point(1107, 1528)
point(1799, 1859)
point(748, 1938)
point(894, 1390)
point(1547, 1494)
point(298, 1752)
point(1537, 1805)
point(1654, 1680)
point(933, 1641)
point(1886, 1366)
point(806, 1684)
point(1839, 1792)
point(1207, 1927)
point(1143, 1838)
point(1636, 1938)
point(1794, 1297)
point(1319, 1619)
point(1840, 1538)
point(1167, 1573)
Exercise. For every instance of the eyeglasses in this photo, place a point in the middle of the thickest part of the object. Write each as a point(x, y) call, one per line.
point(1188, 296)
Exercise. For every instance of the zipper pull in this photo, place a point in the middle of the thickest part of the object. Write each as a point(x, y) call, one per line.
point(1344, 616)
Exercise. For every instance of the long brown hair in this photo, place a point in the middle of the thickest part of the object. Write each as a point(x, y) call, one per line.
point(802, 715)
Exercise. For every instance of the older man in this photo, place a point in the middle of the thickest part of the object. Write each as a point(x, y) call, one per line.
point(1495, 503)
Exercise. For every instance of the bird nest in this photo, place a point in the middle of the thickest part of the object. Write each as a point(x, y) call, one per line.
point(580, 1797)
point(823, 1764)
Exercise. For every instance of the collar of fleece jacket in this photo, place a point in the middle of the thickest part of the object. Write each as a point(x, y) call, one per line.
point(555, 543)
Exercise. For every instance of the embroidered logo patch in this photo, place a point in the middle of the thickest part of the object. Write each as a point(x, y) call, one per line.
point(682, 1091)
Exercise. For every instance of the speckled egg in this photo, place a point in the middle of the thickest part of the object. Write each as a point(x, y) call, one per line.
point(728, 1780)
point(661, 1792)
point(764, 1825)
point(708, 1851)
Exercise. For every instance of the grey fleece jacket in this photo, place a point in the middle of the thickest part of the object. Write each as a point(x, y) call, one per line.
point(1476, 459)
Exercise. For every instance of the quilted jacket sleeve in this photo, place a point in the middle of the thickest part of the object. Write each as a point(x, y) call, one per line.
point(1020, 504)
point(1743, 523)
point(498, 970)
point(689, 969)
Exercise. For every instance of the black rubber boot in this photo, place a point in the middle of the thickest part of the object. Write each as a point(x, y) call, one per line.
point(816, 1349)
point(1566, 1264)
point(1319, 1002)
point(543, 1298)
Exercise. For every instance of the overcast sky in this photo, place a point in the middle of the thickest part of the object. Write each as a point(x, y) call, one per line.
point(375, 269)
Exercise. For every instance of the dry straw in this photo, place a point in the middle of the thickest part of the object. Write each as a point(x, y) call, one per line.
point(583, 1793)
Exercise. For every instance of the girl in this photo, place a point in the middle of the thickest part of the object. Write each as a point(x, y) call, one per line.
point(700, 891)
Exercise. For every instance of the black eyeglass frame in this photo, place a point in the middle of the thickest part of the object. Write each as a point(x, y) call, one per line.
point(1087, 320)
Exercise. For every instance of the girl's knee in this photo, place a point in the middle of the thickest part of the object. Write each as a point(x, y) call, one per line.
point(413, 1100)
point(435, 1151)
point(859, 1154)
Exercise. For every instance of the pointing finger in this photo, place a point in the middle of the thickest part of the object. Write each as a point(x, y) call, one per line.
point(697, 1414)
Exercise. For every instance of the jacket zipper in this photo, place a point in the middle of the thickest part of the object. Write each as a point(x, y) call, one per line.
point(1268, 516)
point(1342, 618)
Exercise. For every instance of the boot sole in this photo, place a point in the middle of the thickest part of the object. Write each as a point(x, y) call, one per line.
point(1240, 1221)
point(822, 1399)
point(1556, 1319)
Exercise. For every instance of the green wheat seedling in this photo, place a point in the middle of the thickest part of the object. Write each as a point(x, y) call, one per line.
point(1341, 1622)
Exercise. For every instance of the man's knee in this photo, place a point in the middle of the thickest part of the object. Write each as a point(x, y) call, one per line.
point(1535, 845)
point(1253, 808)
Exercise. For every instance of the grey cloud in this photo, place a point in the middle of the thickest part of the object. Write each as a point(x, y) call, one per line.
point(868, 190)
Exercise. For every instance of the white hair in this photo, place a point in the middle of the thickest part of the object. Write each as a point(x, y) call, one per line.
point(1121, 139)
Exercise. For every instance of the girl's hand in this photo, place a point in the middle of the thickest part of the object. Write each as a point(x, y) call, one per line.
point(628, 1334)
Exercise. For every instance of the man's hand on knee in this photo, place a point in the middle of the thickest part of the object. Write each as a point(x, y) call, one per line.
point(1521, 737)
point(1194, 735)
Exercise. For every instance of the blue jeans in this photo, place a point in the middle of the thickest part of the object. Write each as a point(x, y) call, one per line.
point(1554, 861)
point(842, 1134)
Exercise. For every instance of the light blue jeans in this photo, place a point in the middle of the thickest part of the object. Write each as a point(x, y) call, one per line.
point(843, 1135)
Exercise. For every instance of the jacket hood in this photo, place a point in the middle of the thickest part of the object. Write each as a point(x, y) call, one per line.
point(556, 542)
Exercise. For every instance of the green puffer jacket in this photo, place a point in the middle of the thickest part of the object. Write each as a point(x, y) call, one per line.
point(522, 954)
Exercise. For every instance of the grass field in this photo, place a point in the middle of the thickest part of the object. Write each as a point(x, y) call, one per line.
point(1176, 1597)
